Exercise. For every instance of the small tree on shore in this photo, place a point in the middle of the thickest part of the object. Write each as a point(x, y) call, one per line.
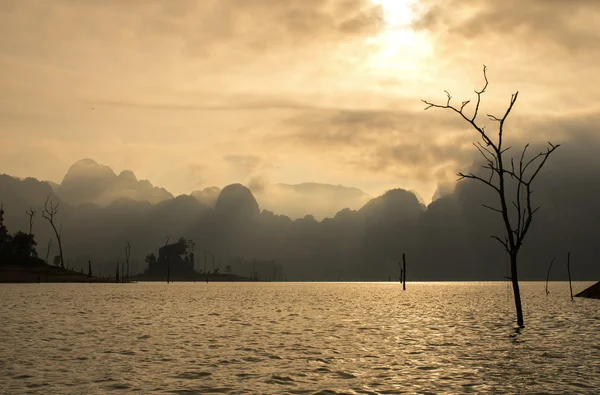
point(516, 207)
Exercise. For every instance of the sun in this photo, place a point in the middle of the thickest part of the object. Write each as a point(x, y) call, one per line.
point(397, 45)
point(396, 13)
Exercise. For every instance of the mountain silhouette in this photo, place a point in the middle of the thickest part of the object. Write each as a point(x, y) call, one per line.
point(237, 203)
point(447, 240)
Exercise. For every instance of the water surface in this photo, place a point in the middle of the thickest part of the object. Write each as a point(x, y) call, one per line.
point(296, 338)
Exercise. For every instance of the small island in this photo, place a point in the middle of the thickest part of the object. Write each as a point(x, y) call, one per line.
point(176, 262)
point(592, 292)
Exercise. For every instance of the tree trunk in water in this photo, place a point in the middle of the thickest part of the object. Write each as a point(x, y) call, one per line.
point(403, 272)
point(517, 292)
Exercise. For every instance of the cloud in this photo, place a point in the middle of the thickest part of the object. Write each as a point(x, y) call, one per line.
point(403, 143)
point(565, 25)
point(244, 164)
point(258, 184)
point(196, 175)
point(204, 27)
point(315, 86)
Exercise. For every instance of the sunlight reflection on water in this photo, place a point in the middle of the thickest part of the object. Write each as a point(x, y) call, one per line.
point(297, 338)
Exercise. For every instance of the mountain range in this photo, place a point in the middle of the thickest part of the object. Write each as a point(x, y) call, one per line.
point(447, 240)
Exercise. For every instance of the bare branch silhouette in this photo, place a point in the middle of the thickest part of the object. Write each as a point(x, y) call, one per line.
point(31, 212)
point(50, 211)
point(516, 222)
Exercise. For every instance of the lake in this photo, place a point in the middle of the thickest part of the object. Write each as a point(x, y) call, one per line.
point(297, 338)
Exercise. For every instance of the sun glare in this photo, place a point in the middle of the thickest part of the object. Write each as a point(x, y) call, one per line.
point(397, 13)
point(398, 46)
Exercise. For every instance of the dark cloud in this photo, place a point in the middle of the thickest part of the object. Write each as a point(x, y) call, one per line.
point(567, 25)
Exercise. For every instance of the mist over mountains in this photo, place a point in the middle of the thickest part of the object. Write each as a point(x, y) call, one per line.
point(446, 240)
point(86, 181)
point(89, 182)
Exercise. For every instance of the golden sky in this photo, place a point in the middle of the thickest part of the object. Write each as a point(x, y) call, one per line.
point(193, 93)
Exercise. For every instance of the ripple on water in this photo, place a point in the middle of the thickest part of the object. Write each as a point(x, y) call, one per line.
point(281, 380)
point(113, 387)
point(193, 375)
point(296, 338)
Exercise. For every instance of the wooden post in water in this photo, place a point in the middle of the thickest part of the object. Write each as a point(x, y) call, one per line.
point(569, 271)
point(403, 272)
point(400, 266)
point(127, 256)
point(168, 270)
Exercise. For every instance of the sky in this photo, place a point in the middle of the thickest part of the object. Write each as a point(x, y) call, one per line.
point(195, 93)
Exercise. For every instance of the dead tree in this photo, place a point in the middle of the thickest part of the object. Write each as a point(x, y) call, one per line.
point(31, 212)
point(127, 256)
point(50, 212)
point(516, 208)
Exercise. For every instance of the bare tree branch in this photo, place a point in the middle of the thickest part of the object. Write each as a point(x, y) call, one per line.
point(479, 93)
point(503, 242)
point(50, 211)
point(31, 213)
point(492, 208)
point(474, 177)
point(510, 180)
